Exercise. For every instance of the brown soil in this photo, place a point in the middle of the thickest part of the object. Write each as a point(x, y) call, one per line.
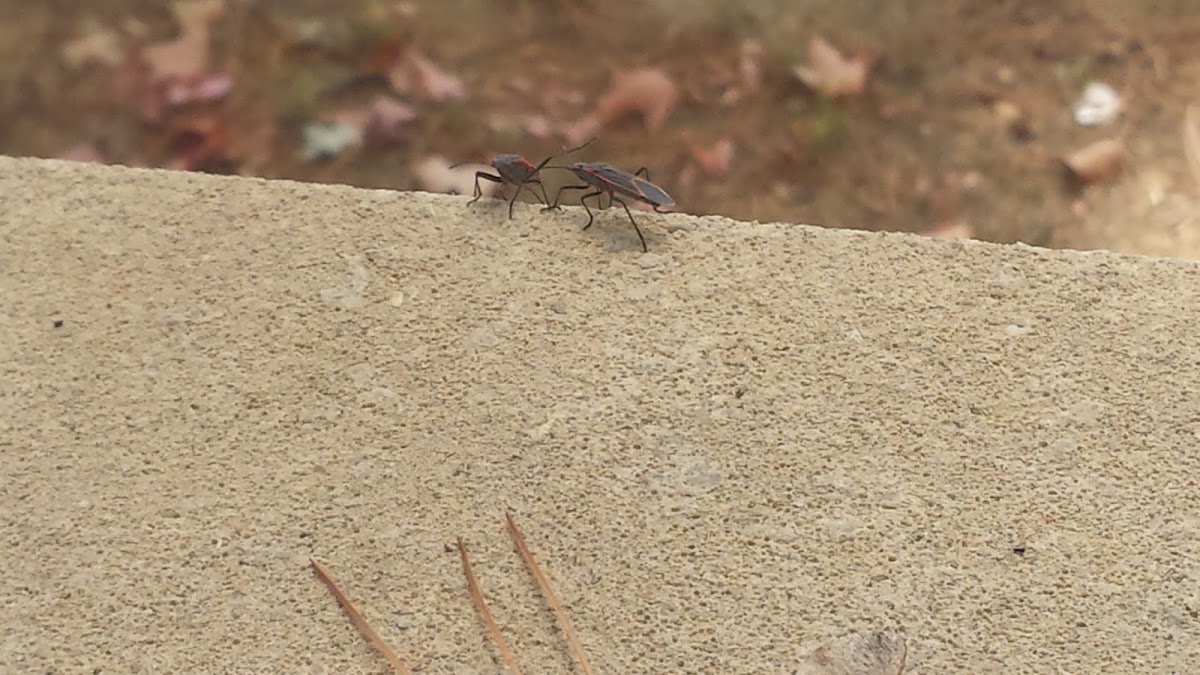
point(925, 146)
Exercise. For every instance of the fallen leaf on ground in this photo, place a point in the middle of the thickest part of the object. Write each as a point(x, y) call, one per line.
point(326, 140)
point(830, 72)
point(198, 89)
point(176, 73)
point(437, 84)
point(1098, 162)
point(952, 230)
point(749, 73)
point(97, 44)
point(188, 54)
point(348, 115)
point(715, 159)
point(538, 126)
point(383, 121)
point(84, 152)
point(648, 91)
point(415, 71)
point(384, 56)
point(387, 118)
point(1100, 104)
point(199, 143)
point(434, 174)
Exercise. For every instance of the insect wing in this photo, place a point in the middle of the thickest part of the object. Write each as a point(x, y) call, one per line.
point(610, 178)
point(652, 194)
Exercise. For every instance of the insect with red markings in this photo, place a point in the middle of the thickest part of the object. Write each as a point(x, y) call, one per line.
point(518, 171)
point(604, 179)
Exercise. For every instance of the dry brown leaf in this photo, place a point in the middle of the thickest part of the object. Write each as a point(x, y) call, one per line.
point(387, 118)
point(493, 631)
point(97, 44)
point(359, 622)
point(198, 89)
point(199, 142)
point(188, 54)
point(564, 619)
point(415, 71)
point(538, 126)
point(176, 73)
point(1098, 162)
point(858, 654)
point(830, 72)
point(716, 159)
point(84, 152)
point(952, 230)
point(648, 91)
point(324, 141)
point(353, 116)
point(746, 78)
point(437, 83)
point(384, 57)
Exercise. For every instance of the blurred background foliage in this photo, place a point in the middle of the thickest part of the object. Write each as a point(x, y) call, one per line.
point(959, 118)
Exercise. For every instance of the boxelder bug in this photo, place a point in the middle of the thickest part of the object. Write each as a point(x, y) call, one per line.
point(607, 179)
point(516, 170)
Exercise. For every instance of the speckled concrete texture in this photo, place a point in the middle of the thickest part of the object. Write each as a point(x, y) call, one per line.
point(755, 439)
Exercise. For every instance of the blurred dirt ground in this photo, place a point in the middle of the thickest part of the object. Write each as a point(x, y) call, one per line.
point(960, 128)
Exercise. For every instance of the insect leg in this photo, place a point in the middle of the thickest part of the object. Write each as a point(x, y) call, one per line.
point(558, 194)
point(583, 200)
point(565, 151)
point(485, 176)
point(635, 225)
point(643, 172)
point(512, 201)
point(538, 181)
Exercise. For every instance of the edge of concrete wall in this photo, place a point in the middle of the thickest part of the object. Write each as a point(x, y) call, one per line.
point(752, 444)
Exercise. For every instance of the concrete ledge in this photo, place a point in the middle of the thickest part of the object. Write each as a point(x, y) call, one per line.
point(751, 441)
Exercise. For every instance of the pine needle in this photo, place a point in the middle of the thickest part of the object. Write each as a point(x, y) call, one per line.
point(493, 631)
point(359, 622)
point(564, 620)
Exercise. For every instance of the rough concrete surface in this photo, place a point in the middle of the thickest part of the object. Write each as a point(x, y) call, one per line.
point(754, 440)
